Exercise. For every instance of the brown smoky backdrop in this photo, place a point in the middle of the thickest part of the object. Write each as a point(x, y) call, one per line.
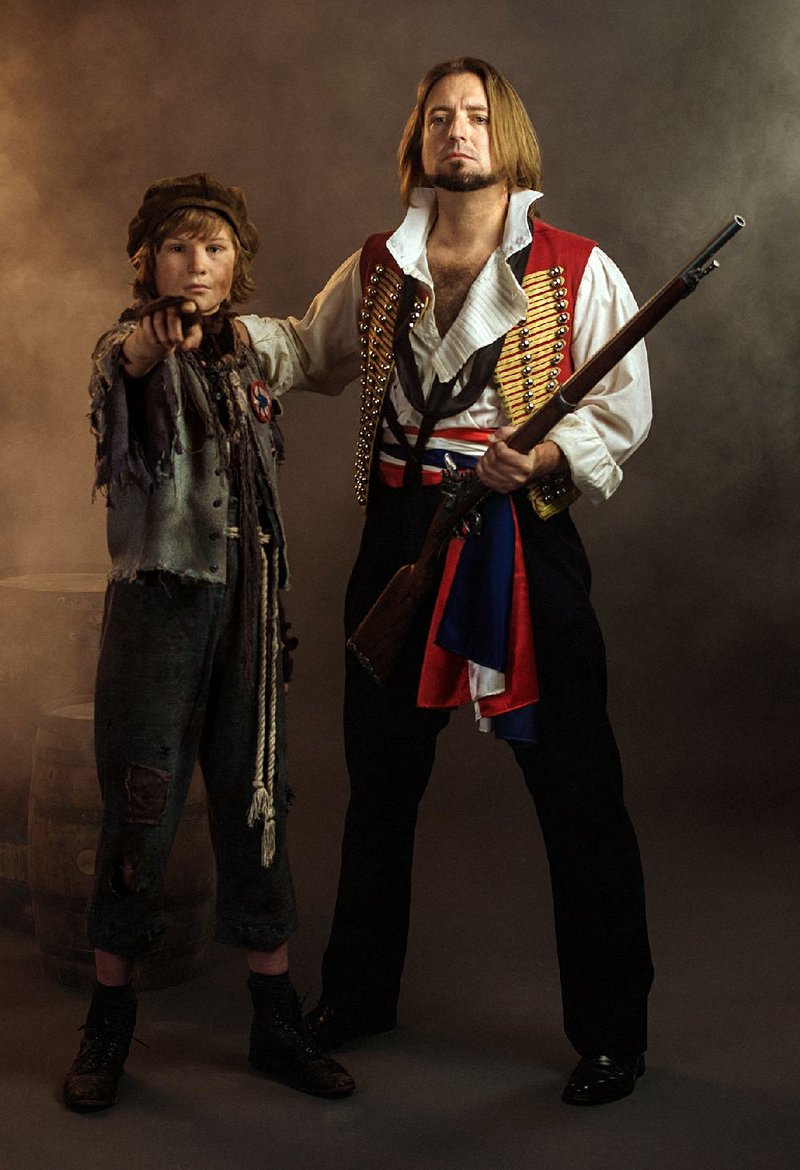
point(659, 120)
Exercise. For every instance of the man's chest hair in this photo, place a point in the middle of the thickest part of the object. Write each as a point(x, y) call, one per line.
point(452, 281)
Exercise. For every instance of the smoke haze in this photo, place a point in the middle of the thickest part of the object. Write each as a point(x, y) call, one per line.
point(658, 121)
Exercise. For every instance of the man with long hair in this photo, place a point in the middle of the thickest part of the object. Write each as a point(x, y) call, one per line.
point(465, 320)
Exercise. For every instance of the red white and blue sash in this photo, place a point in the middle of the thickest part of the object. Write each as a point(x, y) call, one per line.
point(465, 445)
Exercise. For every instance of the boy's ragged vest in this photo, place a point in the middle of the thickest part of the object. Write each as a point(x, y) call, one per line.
point(534, 360)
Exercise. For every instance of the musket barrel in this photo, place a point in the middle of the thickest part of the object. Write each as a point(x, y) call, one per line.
point(719, 241)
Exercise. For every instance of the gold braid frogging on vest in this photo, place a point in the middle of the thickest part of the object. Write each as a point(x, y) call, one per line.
point(527, 372)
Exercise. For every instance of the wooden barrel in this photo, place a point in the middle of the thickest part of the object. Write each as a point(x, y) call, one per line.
point(49, 636)
point(64, 823)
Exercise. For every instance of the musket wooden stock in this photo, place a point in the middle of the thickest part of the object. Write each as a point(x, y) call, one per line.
point(377, 640)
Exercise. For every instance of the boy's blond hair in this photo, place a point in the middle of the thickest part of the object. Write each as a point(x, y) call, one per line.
point(200, 224)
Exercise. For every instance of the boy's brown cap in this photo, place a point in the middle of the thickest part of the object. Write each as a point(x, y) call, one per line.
point(197, 190)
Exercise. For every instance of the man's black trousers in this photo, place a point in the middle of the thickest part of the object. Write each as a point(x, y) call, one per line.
point(573, 775)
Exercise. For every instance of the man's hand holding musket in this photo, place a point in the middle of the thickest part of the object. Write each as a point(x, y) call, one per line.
point(502, 469)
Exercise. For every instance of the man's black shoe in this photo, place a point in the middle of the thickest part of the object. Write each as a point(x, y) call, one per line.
point(330, 1028)
point(281, 1046)
point(91, 1084)
point(596, 1080)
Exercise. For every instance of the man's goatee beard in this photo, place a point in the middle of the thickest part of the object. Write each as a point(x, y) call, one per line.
point(461, 181)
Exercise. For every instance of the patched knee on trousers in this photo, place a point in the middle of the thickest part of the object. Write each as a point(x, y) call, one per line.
point(147, 790)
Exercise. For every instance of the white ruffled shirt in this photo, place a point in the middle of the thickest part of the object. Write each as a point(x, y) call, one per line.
point(321, 351)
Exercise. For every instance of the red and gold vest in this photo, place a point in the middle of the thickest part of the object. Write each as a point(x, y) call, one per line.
point(535, 359)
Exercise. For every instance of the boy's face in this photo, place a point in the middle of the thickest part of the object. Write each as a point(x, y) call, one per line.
point(197, 268)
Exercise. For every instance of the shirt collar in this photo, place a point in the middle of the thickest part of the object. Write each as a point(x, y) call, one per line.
point(408, 243)
point(517, 232)
point(496, 299)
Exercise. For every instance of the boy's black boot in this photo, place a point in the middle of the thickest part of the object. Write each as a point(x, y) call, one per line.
point(281, 1046)
point(91, 1083)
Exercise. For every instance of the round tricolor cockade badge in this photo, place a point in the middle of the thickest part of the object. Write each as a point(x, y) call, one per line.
point(261, 401)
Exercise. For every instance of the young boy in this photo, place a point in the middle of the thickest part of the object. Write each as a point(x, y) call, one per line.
point(191, 662)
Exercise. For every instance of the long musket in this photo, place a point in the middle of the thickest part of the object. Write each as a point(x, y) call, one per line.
point(377, 640)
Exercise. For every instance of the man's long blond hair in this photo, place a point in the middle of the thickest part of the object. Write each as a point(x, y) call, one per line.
point(516, 156)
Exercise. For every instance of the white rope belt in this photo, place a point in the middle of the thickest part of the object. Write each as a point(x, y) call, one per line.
point(262, 804)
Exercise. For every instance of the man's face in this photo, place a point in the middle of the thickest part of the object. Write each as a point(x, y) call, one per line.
point(456, 150)
point(197, 268)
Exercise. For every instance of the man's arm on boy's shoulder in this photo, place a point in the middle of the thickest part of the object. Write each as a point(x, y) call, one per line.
point(321, 351)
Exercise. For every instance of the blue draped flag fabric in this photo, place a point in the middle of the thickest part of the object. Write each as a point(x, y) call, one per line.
point(480, 643)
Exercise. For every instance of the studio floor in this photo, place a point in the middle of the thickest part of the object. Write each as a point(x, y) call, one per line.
point(472, 1077)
